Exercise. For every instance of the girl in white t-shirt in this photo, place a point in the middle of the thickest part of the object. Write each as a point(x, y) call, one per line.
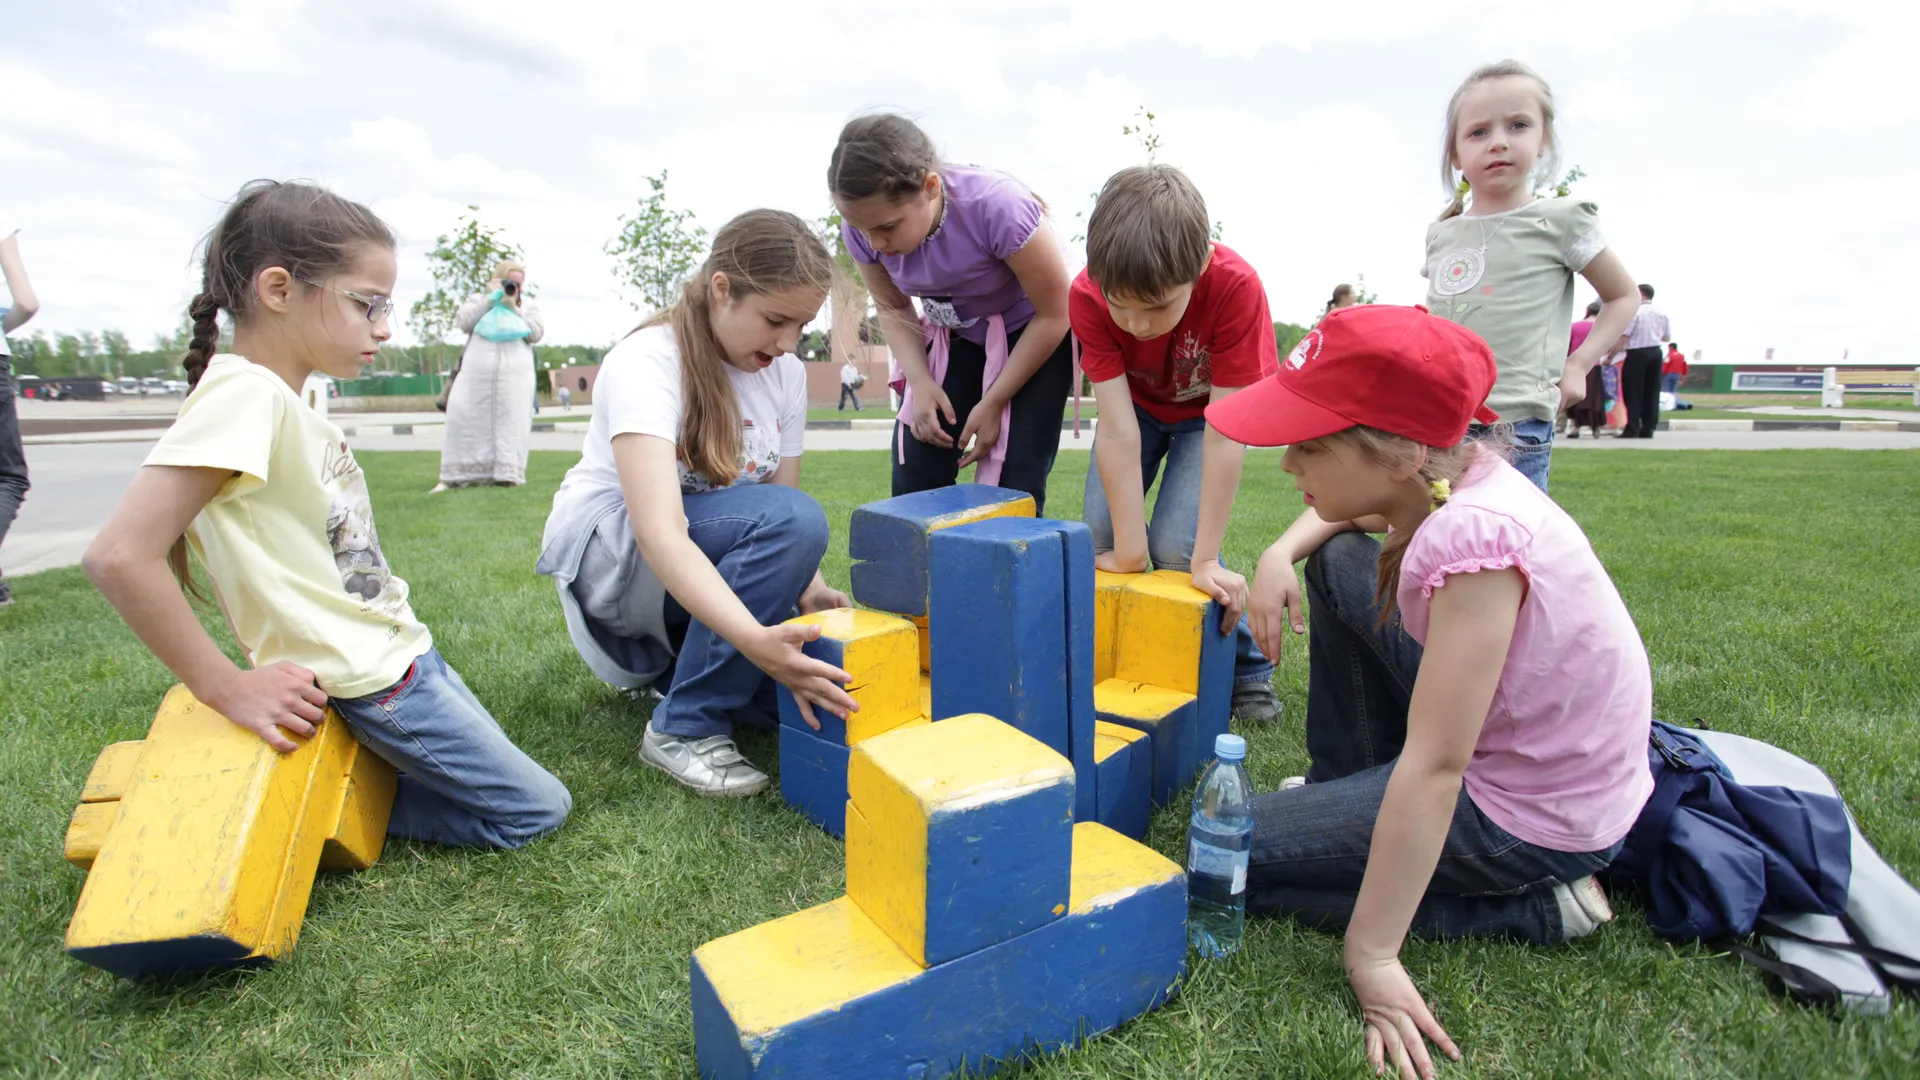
point(267, 494)
point(681, 542)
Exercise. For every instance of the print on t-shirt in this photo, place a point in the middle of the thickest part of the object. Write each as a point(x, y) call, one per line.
point(1189, 371)
point(941, 312)
point(759, 457)
point(350, 533)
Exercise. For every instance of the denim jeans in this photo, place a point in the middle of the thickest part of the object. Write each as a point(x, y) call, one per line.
point(1310, 844)
point(13, 456)
point(462, 781)
point(1176, 516)
point(1532, 447)
point(766, 540)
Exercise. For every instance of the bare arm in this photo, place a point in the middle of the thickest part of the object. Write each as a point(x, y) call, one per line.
point(1471, 630)
point(1221, 462)
point(1116, 444)
point(650, 481)
point(1043, 276)
point(907, 342)
point(128, 564)
point(1275, 599)
point(26, 304)
point(1619, 298)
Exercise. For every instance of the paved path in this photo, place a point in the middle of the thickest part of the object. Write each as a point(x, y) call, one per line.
point(77, 484)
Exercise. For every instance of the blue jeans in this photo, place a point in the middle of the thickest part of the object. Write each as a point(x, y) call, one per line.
point(1532, 447)
point(1176, 516)
point(13, 456)
point(1310, 844)
point(766, 540)
point(462, 781)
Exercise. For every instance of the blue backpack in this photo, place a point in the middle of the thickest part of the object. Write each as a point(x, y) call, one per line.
point(1741, 838)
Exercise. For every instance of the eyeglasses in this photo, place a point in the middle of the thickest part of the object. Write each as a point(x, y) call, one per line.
point(378, 307)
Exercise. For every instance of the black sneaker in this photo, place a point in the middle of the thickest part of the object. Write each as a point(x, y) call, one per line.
point(6, 593)
point(1255, 702)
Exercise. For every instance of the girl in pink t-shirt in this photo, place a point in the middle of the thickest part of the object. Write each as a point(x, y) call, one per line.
point(1479, 700)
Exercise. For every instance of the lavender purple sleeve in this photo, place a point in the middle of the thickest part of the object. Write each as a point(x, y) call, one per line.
point(857, 245)
point(1012, 213)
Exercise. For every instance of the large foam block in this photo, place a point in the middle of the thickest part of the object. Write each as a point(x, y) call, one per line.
point(1168, 719)
point(959, 835)
point(825, 994)
point(1124, 772)
point(202, 842)
point(999, 635)
point(882, 653)
point(888, 540)
point(1168, 635)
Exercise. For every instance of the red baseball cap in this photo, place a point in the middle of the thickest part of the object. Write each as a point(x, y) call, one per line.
point(1398, 369)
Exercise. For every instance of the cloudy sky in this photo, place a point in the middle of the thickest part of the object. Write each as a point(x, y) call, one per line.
point(1758, 162)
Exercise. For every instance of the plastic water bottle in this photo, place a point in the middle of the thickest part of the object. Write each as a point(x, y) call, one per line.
point(1218, 844)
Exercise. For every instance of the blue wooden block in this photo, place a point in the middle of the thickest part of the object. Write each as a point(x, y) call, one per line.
point(999, 634)
point(1077, 548)
point(1214, 705)
point(888, 540)
point(823, 994)
point(1168, 717)
point(813, 776)
point(1125, 776)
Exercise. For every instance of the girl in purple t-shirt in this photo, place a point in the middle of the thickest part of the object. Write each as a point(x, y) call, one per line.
point(984, 370)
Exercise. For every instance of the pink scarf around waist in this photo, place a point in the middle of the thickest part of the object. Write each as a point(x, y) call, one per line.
point(939, 345)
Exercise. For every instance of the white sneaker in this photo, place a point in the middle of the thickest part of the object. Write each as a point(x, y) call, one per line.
point(1583, 907)
point(1292, 782)
point(710, 766)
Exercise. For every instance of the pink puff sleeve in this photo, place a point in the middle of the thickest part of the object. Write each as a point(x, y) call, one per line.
point(1011, 214)
point(1458, 539)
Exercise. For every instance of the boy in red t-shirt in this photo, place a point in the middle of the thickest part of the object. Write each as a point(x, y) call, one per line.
point(1673, 372)
point(1169, 321)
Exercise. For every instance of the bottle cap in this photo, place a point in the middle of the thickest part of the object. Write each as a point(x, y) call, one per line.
point(1230, 748)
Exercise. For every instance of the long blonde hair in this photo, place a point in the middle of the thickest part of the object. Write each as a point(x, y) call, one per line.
point(1548, 165)
point(761, 251)
point(507, 266)
point(1443, 467)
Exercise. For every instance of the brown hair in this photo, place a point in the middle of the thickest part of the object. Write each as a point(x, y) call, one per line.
point(1503, 69)
point(1448, 463)
point(1148, 233)
point(303, 228)
point(1340, 292)
point(884, 154)
point(760, 251)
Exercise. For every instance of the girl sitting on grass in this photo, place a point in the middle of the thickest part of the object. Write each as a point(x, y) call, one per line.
point(1478, 700)
point(268, 496)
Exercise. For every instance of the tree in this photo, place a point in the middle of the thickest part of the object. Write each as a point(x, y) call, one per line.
point(1565, 187)
point(656, 249)
point(1142, 130)
point(1287, 335)
point(462, 262)
point(1362, 294)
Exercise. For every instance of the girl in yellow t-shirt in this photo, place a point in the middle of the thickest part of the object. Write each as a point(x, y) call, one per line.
point(268, 495)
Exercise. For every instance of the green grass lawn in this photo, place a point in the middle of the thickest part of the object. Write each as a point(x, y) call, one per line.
point(1775, 591)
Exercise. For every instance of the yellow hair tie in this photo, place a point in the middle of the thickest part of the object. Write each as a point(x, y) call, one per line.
point(1442, 490)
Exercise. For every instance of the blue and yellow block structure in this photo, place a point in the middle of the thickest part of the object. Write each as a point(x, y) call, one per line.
point(981, 924)
point(201, 842)
point(1117, 672)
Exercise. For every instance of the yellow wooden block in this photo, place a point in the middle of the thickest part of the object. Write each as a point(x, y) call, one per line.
point(882, 653)
point(958, 834)
point(1110, 739)
point(803, 964)
point(1159, 627)
point(926, 696)
point(211, 857)
point(1107, 589)
point(1107, 865)
point(922, 624)
point(88, 830)
point(360, 823)
point(111, 771)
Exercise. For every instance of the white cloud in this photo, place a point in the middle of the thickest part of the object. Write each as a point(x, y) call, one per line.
point(250, 36)
point(58, 120)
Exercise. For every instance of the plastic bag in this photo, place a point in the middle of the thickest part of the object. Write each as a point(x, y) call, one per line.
point(502, 323)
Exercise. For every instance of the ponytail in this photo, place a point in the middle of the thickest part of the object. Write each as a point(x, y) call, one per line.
point(1459, 204)
point(205, 313)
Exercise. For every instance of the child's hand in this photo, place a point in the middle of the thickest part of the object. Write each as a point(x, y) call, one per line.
point(267, 699)
point(1274, 602)
point(1227, 588)
point(1396, 1017)
point(1113, 562)
point(814, 683)
point(981, 432)
point(821, 597)
point(1573, 389)
point(929, 405)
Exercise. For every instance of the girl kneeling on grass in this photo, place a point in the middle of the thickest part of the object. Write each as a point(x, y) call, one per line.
point(681, 541)
point(268, 496)
point(1473, 790)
